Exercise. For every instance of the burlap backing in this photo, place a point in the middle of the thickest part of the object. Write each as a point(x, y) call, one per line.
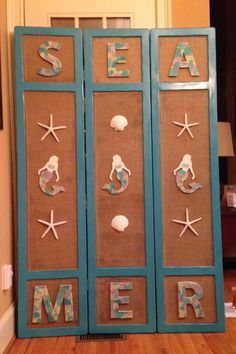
point(133, 59)
point(167, 48)
point(137, 300)
point(207, 300)
point(189, 249)
point(114, 248)
point(32, 61)
point(53, 288)
point(49, 253)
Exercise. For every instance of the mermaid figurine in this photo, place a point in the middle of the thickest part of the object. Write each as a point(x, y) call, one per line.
point(46, 174)
point(122, 174)
point(181, 173)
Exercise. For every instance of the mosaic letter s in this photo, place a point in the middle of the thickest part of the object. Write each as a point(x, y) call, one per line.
point(56, 63)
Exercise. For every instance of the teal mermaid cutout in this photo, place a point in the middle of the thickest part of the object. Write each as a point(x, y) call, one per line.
point(46, 174)
point(123, 177)
point(122, 174)
point(181, 175)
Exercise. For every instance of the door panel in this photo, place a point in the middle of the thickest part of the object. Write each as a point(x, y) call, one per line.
point(52, 297)
point(119, 181)
point(186, 187)
point(39, 14)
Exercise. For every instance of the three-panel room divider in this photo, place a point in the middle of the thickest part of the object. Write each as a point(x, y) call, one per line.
point(118, 213)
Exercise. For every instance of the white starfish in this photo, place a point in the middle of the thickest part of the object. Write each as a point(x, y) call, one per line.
point(51, 129)
point(51, 225)
point(187, 224)
point(185, 126)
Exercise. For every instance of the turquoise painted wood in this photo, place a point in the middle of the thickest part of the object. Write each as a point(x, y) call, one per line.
point(88, 271)
point(163, 271)
point(94, 271)
point(80, 273)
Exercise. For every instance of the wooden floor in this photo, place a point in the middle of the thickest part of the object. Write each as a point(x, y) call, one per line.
point(195, 343)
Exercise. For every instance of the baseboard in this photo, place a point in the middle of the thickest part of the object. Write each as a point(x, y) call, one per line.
point(7, 328)
point(10, 344)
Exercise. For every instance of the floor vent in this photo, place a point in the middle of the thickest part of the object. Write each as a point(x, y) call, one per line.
point(101, 337)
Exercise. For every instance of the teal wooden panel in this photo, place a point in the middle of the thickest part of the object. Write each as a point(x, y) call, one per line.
point(163, 271)
point(97, 272)
point(80, 272)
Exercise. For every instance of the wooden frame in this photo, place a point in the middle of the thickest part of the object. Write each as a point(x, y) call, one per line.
point(93, 270)
point(216, 268)
point(80, 272)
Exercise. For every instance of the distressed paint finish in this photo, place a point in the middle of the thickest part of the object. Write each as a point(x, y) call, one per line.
point(183, 50)
point(41, 294)
point(56, 63)
point(193, 300)
point(116, 299)
point(113, 59)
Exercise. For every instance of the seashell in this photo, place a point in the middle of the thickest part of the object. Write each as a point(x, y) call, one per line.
point(119, 122)
point(119, 223)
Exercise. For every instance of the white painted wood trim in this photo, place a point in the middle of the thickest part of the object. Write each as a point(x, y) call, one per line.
point(164, 13)
point(15, 17)
point(7, 328)
point(76, 20)
point(15, 14)
point(89, 14)
point(104, 22)
point(103, 15)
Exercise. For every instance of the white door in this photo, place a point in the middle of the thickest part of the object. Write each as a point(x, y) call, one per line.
point(91, 13)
